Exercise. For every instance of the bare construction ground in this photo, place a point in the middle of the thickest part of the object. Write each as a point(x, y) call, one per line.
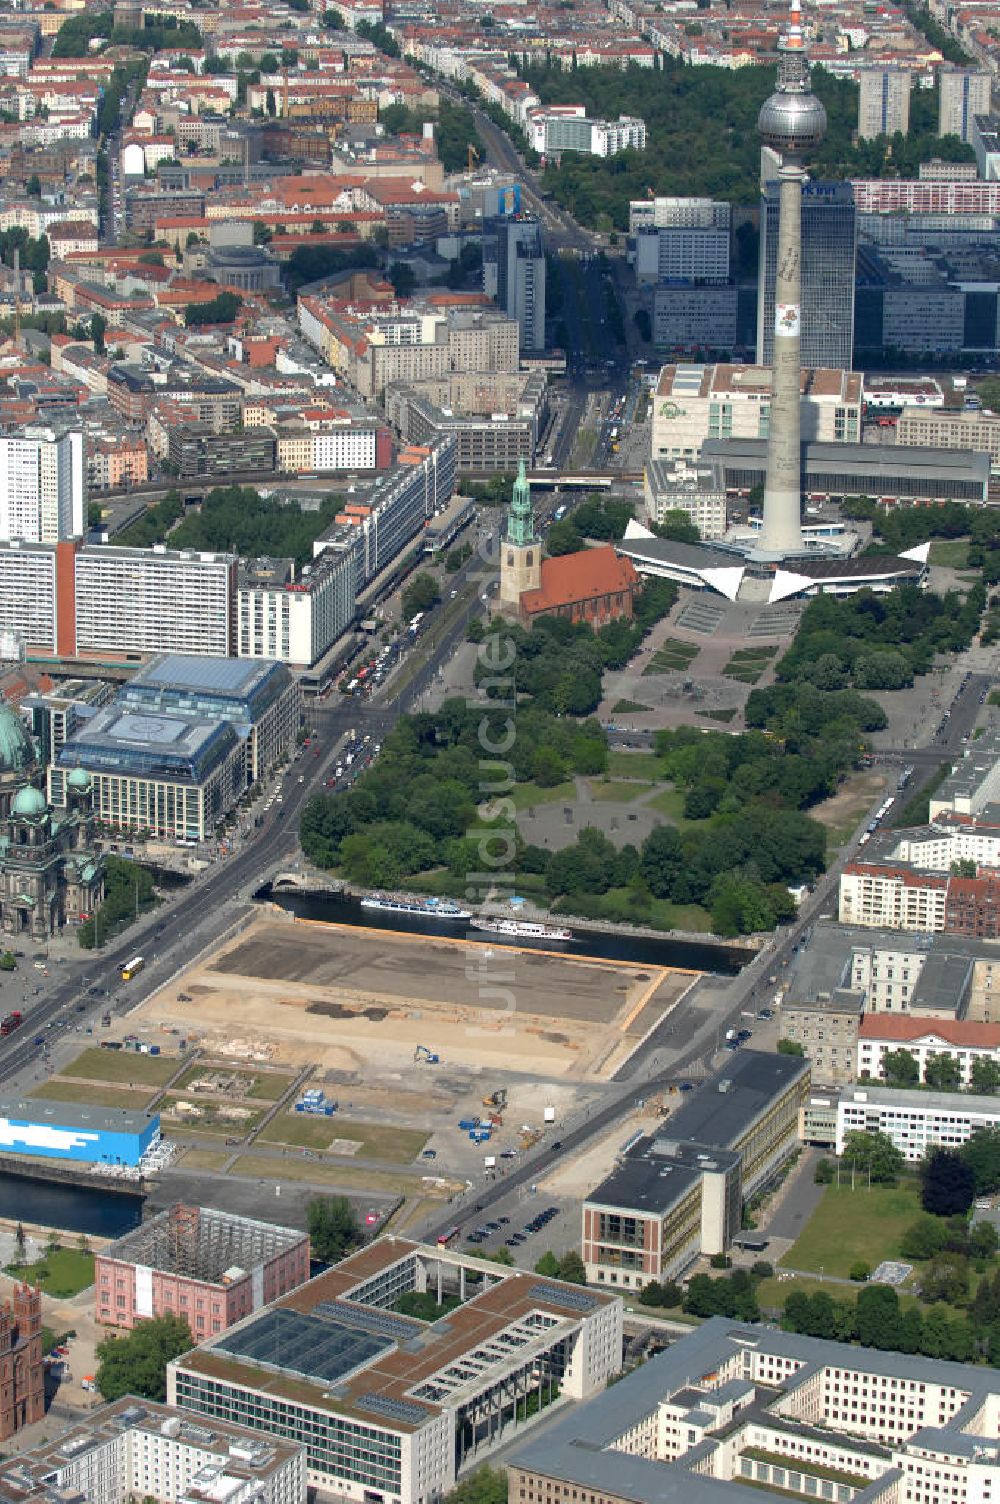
point(360, 1002)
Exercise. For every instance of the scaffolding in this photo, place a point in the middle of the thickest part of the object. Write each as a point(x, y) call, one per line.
point(200, 1243)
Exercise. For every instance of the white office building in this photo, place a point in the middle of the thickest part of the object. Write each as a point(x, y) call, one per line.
point(693, 252)
point(915, 1120)
point(138, 1449)
point(679, 213)
point(42, 495)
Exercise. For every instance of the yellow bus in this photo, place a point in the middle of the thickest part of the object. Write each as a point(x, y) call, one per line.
point(131, 968)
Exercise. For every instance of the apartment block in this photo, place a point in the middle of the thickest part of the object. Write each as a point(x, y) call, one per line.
point(964, 93)
point(28, 617)
point(883, 102)
point(892, 897)
point(159, 600)
point(42, 485)
point(393, 512)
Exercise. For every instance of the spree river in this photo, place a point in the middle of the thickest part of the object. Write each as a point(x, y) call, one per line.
point(617, 945)
point(75, 1208)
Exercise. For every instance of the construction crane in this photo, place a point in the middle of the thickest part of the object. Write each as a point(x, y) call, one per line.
point(473, 157)
point(426, 1055)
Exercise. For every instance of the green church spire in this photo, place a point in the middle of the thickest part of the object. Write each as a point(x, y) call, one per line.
point(520, 518)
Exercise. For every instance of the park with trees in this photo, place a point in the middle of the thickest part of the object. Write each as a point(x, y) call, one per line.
point(875, 1207)
point(235, 519)
point(420, 816)
point(702, 136)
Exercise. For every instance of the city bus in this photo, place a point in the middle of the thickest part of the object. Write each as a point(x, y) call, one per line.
point(131, 968)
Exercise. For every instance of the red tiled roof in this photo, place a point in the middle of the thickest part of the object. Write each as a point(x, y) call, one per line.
point(580, 577)
point(954, 1031)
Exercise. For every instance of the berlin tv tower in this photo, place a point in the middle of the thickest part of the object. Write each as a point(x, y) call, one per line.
point(793, 123)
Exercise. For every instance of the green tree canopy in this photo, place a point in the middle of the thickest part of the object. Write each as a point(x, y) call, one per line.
point(333, 1228)
point(137, 1363)
point(981, 1152)
point(947, 1183)
point(874, 1155)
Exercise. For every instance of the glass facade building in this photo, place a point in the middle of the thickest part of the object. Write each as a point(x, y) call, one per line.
point(829, 250)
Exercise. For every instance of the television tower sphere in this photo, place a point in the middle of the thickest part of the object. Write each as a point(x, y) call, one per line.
point(792, 121)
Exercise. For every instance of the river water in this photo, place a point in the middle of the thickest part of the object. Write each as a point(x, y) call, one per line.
point(618, 945)
point(76, 1208)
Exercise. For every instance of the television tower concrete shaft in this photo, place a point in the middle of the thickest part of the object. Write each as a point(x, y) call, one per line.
point(793, 123)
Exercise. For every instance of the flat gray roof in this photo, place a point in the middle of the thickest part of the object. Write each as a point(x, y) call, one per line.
point(718, 1113)
point(873, 459)
point(76, 1115)
point(220, 676)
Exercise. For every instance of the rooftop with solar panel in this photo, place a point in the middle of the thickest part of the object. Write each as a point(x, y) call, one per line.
point(339, 1356)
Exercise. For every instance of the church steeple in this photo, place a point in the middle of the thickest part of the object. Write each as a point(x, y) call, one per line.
point(520, 548)
point(520, 517)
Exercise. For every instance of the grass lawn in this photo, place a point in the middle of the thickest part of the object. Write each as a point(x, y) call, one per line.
point(376, 1140)
point(92, 1092)
point(664, 915)
point(122, 1065)
point(671, 804)
point(617, 789)
point(672, 657)
point(623, 764)
point(747, 655)
point(618, 906)
point(270, 1086)
point(203, 1159)
point(744, 673)
point(629, 707)
point(719, 715)
point(851, 1225)
point(951, 553)
point(527, 795)
point(61, 1273)
point(325, 1173)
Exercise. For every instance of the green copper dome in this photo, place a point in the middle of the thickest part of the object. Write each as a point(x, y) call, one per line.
point(79, 779)
point(16, 752)
point(520, 517)
point(29, 803)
